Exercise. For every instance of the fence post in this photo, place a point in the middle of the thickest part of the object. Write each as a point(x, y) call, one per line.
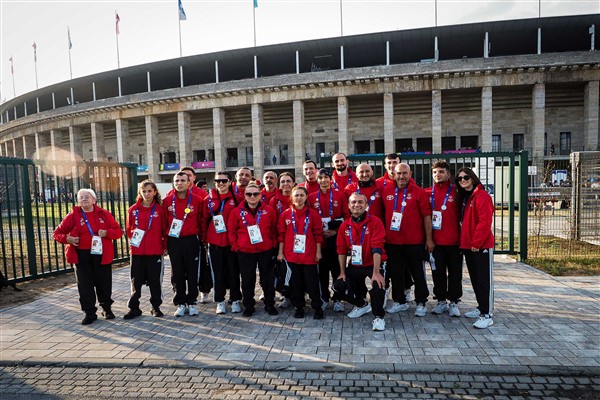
point(523, 203)
point(28, 217)
point(575, 196)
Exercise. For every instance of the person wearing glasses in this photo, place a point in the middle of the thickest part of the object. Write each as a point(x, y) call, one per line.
point(252, 230)
point(300, 237)
point(225, 271)
point(282, 200)
point(477, 243)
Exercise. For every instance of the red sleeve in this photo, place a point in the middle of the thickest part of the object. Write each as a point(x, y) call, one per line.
point(485, 215)
point(377, 234)
point(274, 226)
point(281, 228)
point(342, 245)
point(232, 228)
point(317, 225)
point(204, 220)
point(376, 208)
point(345, 209)
point(424, 204)
point(114, 230)
point(64, 228)
point(129, 224)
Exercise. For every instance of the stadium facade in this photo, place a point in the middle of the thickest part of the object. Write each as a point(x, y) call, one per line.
point(496, 86)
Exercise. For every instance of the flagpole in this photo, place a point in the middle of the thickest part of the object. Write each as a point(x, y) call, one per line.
point(12, 72)
point(435, 12)
point(341, 20)
point(254, 4)
point(117, 36)
point(70, 45)
point(35, 64)
point(180, 48)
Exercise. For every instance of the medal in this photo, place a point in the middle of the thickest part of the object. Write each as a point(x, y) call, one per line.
point(444, 207)
point(403, 204)
point(187, 210)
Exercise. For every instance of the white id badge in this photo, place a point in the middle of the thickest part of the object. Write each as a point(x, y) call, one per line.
point(255, 235)
point(136, 237)
point(326, 222)
point(356, 255)
point(96, 245)
point(299, 243)
point(219, 224)
point(175, 229)
point(396, 221)
point(436, 220)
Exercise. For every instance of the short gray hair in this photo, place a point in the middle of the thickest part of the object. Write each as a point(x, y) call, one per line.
point(90, 191)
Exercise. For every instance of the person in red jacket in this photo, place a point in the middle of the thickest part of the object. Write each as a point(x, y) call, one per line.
point(309, 169)
point(447, 275)
point(252, 230)
point(408, 235)
point(270, 187)
point(300, 237)
point(477, 243)
point(390, 161)
point(243, 177)
point(361, 255)
point(145, 228)
point(367, 186)
point(342, 175)
point(88, 232)
point(183, 227)
point(332, 206)
point(283, 196)
point(225, 269)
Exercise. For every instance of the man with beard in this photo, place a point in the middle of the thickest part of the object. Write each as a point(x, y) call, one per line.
point(366, 185)
point(342, 175)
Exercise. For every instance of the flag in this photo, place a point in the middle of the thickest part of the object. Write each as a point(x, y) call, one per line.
point(182, 16)
point(69, 38)
point(117, 19)
point(34, 52)
point(12, 71)
point(255, 3)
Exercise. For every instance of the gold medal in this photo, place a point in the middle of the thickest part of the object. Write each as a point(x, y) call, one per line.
point(187, 210)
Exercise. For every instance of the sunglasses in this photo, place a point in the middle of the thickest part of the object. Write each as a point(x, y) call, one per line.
point(253, 194)
point(465, 178)
point(221, 180)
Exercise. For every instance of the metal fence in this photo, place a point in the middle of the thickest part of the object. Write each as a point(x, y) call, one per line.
point(35, 195)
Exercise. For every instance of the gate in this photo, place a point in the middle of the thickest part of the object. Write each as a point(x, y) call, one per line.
point(35, 195)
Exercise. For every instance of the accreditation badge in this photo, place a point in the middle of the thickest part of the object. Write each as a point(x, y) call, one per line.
point(436, 220)
point(96, 245)
point(356, 255)
point(136, 237)
point(299, 244)
point(175, 229)
point(219, 224)
point(396, 221)
point(255, 235)
point(326, 222)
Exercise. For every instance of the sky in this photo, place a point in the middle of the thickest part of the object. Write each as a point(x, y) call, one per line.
point(149, 29)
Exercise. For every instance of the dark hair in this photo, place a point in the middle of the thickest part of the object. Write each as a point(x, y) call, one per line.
point(310, 162)
point(462, 193)
point(441, 164)
point(149, 182)
point(181, 173)
point(285, 174)
point(200, 183)
point(393, 156)
point(188, 169)
point(228, 175)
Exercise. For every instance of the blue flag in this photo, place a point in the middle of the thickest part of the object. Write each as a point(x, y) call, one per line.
point(182, 16)
point(255, 3)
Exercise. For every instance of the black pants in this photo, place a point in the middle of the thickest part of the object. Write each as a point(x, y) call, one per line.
point(225, 272)
point(205, 280)
point(184, 253)
point(266, 269)
point(146, 270)
point(93, 279)
point(329, 265)
point(447, 277)
point(355, 279)
point(402, 257)
point(481, 271)
point(305, 279)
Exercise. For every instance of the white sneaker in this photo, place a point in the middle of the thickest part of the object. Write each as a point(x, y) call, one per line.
point(204, 298)
point(262, 297)
point(325, 306)
point(338, 306)
point(485, 321)
point(285, 303)
point(359, 311)
point(180, 312)
point(396, 307)
point(221, 308)
point(473, 313)
point(192, 310)
point(440, 308)
point(378, 324)
point(408, 295)
point(421, 310)
point(453, 311)
point(236, 307)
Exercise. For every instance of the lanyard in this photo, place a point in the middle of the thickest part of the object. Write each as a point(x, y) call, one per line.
point(330, 203)
point(87, 222)
point(151, 215)
point(370, 199)
point(305, 221)
point(335, 185)
point(211, 203)
point(258, 215)
point(187, 208)
point(445, 198)
point(403, 200)
point(362, 235)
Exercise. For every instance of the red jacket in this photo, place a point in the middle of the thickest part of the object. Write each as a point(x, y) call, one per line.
point(477, 221)
point(374, 238)
point(239, 192)
point(191, 226)
point(194, 189)
point(238, 231)
point(373, 194)
point(314, 234)
point(154, 241)
point(312, 187)
point(340, 182)
point(412, 230)
point(279, 202)
point(449, 235)
point(74, 225)
point(267, 196)
point(385, 181)
point(213, 202)
point(320, 203)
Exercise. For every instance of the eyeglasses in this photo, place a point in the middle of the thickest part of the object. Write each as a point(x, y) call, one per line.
point(253, 194)
point(465, 178)
point(221, 180)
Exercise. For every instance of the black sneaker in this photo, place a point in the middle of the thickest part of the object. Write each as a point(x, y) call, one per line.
point(108, 314)
point(299, 313)
point(248, 312)
point(156, 312)
point(271, 310)
point(318, 314)
point(133, 312)
point(89, 318)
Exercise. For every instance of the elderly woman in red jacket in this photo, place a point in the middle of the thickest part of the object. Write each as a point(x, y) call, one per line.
point(89, 231)
point(477, 243)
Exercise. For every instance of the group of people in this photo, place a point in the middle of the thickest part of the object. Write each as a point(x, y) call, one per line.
point(339, 230)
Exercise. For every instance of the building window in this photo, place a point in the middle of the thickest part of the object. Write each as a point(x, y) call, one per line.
point(565, 143)
point(496, 143)
point(518, 141)
point(379, 146)
point(249, 156)
point(403, 145)
point(424, 144)
point(320, 147)
point(469, 142)
point(449, 143)
point(232, 157)
point(362, 146)
point(141, 159)
point(169, 157)
point(268, 158)
point(283, 154)
point(200, 155)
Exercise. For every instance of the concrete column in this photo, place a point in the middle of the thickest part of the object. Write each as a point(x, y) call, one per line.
point(219, 138)
point(14, 148)
point(6, 149)
point(28, 146)
point(343, 125)
point(56, 142)
point(2, 151)
point(98, 153)
point(122, 127)
point(590, 116)
point(152, 148)
point(40, 143)
point(538, 111)
point(388, 123)
point(485, 141)
point(75, 145)
point(258, 146)
point(436, 121)
point(299, 151)
point(184, 135)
